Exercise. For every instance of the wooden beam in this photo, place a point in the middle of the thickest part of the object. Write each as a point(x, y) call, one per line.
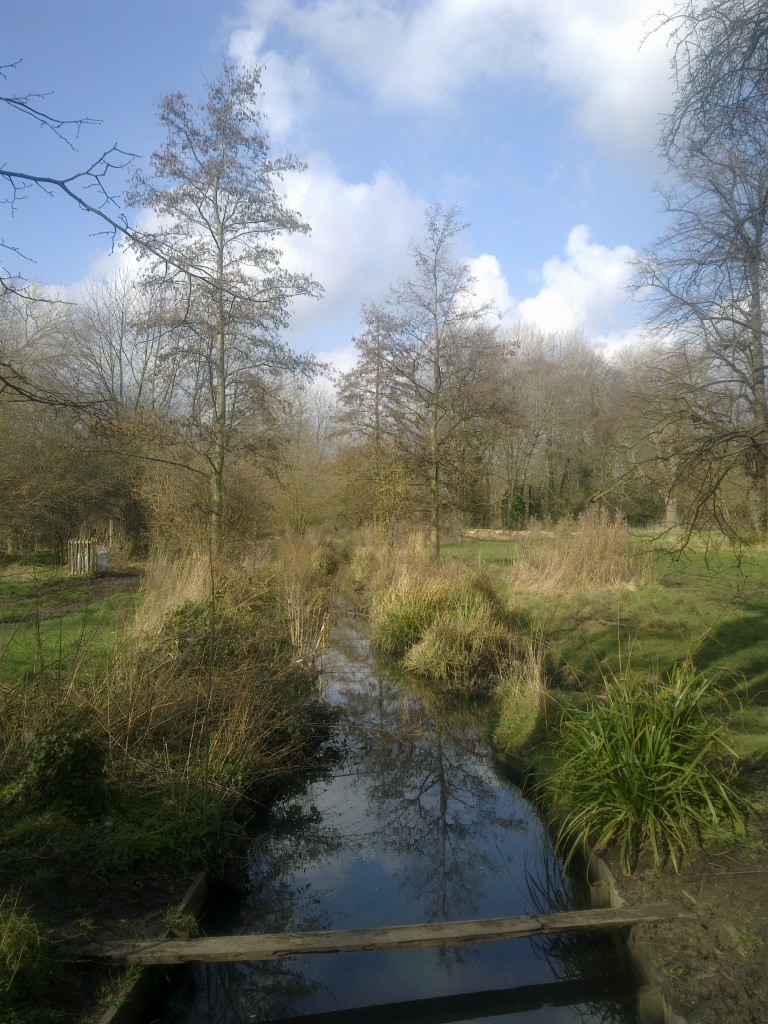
point(220, 949)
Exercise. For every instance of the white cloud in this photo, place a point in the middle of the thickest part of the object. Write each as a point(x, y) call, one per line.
point(593, 54)
point(491, 286)
point(289, 86)
point(585, 290)
point(358, 246)
point(424, 54)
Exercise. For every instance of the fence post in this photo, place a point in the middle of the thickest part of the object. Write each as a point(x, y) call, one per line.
point(81, 556)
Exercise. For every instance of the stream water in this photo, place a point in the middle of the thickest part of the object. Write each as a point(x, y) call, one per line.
point(416, 823)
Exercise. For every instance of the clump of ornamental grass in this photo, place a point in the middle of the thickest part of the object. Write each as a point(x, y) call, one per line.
point(445, 622)
point(596, 552)
point(646, 765)
point(402, 608)
point(462, 647)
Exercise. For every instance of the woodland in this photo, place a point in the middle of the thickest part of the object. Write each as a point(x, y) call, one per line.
point(166, 404)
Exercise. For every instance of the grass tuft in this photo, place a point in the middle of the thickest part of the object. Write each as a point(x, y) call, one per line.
point(521, 697)
point(646, 765)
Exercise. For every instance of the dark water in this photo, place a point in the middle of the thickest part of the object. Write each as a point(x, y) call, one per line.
point(416, 825)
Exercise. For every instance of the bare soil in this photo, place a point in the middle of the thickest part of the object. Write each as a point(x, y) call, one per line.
point(712, 969)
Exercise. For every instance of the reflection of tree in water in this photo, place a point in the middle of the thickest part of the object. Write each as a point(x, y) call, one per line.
point(239, 992)
point(423, 763)
point(426, 775)
point(577, 955)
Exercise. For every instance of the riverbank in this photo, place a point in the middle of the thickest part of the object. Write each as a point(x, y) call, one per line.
point(140, 735)
point(711, 969)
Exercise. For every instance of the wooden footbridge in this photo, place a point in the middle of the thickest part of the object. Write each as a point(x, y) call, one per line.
point(276, 946)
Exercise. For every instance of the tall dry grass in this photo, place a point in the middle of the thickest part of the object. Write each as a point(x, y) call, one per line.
point(216, 683)
point(597, 551)
point(212, 683)
point(445, 621)
point(521, 695)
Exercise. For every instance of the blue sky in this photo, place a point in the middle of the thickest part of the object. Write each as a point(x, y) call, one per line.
point(537, 117)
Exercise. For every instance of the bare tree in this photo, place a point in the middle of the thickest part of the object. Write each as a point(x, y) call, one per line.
point(719, 66)
point(87, 186)
point(214, 191)
point(705, 281)
point(706, 277)
point(425, 347)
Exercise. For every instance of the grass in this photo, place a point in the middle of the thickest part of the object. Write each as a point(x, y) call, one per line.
point(647, 765)
point(139, 732)
point(709, 603)
point(704, 608)
point(51, 623)
point(499, 553)
point(445, 622)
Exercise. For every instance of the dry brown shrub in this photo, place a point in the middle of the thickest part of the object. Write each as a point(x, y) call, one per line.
point(596, 552)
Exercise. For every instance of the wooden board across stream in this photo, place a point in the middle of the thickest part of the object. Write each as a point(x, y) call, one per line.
point(227, 948)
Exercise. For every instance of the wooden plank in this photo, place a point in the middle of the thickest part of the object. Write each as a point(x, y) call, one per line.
point(218, 949)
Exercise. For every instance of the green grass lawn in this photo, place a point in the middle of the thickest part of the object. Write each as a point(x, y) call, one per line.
point(55, 623)
point(491, 552)
point(712, 606)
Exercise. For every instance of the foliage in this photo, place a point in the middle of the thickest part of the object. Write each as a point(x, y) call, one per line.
point(66, 768)
point(23, 951)
point(645, 765)
point(594, 552)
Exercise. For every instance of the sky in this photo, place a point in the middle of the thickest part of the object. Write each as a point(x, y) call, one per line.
point(538, 118)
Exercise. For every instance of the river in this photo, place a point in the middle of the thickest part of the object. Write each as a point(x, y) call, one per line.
point(416, 823)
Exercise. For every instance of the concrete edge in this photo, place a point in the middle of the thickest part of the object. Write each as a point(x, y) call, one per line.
point(134, 994)
point(652, 1005)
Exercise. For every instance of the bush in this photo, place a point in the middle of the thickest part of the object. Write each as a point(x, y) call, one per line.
point(646, 766)
point(66, 768)
point(595, 552)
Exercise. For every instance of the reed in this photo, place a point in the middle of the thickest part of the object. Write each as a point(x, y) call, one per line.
point(595, 552)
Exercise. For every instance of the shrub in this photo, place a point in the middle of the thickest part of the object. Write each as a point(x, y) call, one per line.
point(66, 767)
point(595, 552)
point(647, 766)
